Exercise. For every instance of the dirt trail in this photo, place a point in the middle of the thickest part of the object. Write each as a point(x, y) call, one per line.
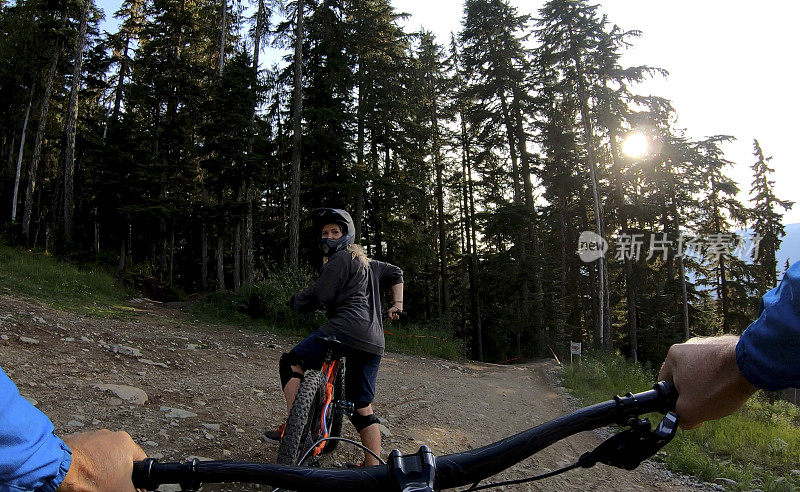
point(211, 391)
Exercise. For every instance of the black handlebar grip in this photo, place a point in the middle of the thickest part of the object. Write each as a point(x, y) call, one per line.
point(141, 474)
point(668, 394)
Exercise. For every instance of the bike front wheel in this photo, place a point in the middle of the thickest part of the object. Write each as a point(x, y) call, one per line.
point(301, 419)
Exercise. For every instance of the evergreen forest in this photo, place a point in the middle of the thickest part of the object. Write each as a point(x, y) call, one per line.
point(173, 151)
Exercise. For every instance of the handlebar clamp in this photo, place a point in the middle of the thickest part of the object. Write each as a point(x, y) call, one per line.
point(413, 472)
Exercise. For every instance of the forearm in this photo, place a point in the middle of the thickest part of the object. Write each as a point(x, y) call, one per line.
point(397, 295)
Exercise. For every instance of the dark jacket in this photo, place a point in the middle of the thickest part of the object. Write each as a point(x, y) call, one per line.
point(349, 293)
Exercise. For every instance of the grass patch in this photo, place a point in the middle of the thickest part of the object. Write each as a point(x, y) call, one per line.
point(83, 290)
point(423, 340)
point(758, 447)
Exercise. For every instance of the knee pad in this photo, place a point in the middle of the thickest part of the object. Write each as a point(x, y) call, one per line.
point(361, 422)
point(288, 359)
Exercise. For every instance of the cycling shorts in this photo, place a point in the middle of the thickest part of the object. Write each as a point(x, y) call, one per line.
point(361, 373)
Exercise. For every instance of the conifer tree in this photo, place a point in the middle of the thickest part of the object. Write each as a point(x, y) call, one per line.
point(72, 120)
point(297, 121)
point(571, 36)
point(765, 220)
point(716, 229)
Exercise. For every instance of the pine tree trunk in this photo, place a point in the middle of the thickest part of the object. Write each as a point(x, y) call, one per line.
point(123, 71)
point(37, 145)
point(524, 294)
point(511, 146)
point(540, 336)
point(722, 283)
point(223, 29)
point(473, 253)
point(249, 267)
point(237, 247)
point(172, 254)
point(96, 242)
point(360, 168)
point(19, 157)
point(437, 159)
point(72, 121)
point(630, 294)
point(121, 264)
point(588, 136)
point(220, 264)
point(561, 306)
point(204, 244)
point(294, 211)
point(682, 273)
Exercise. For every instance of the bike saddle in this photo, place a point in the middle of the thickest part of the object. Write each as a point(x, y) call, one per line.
point(331, 342)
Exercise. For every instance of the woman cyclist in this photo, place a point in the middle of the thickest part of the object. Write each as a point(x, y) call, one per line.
point(348, 291)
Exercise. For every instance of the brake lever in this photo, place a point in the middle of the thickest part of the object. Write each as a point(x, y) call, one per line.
point(629, 448)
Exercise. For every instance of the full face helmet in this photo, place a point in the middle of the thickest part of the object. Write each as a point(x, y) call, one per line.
point(323, 216)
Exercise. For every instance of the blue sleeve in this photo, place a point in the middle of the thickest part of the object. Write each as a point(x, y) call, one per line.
point(31, 456)
point(768, 353)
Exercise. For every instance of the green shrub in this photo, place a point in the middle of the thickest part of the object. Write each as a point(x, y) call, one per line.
point(264, 305)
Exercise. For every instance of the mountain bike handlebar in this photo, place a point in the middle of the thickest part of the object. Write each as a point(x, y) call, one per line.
point(422, 471)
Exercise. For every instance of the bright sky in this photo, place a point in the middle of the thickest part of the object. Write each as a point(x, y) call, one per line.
point(731, 69)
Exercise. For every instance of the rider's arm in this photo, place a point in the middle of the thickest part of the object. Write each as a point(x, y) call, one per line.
point(715, 376)
point(31, 456)
point(392, 276)
point(324, 291)
point(397, 301)
point(388, 274)
point(768, 353)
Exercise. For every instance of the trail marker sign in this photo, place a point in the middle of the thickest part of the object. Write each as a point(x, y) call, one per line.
point(574, 349)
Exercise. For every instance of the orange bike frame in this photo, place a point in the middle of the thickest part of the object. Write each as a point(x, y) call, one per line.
point(329, 370)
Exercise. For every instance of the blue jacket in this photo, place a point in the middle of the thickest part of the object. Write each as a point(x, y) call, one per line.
point(768, 353)
point(31, 456)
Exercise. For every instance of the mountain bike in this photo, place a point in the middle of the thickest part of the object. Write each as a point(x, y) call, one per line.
point(314, 425)
point(423, 472)
point(315, 420)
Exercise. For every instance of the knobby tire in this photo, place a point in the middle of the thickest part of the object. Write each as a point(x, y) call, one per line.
point(301, 418)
